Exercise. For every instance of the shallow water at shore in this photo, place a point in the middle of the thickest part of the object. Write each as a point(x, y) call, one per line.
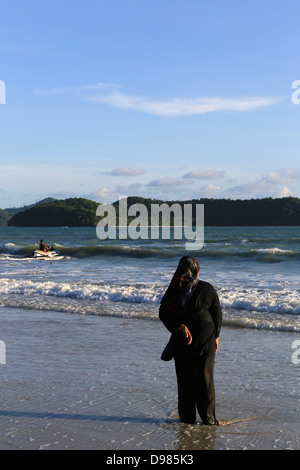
point(90, 382)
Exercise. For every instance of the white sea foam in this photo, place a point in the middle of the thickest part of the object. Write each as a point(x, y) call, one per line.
point(255, 271)
point(113, 292)
point(281, 301)
point(242, 308)
point(272, 251)
point(9, 247)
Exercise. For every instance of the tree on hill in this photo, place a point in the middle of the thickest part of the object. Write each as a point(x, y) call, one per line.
point(4, 217)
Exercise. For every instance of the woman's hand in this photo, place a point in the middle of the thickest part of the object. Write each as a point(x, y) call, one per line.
point(217, 344)
point(186, 333)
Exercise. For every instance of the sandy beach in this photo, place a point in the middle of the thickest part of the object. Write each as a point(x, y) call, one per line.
point(92, 382)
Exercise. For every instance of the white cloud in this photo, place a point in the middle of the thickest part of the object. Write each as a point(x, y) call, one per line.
point(110, 194)
point(284, 192)
point(125, 171)
point(205, 174)
point(270, 185)
point(68, 89)
point(283, 176)
point(174, 107)
point(168, 182)
point(181, 107)
point(209, 190)
point(250, 188)
point(164, 188)
point(103, 194)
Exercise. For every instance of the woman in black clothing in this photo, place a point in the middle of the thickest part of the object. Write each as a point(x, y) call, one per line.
point(191, 311)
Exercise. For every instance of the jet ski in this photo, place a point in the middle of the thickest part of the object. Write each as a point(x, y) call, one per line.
point(47, 255)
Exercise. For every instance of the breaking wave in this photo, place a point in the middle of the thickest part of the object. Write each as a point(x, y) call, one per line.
point(247, 308)
point(161, 250)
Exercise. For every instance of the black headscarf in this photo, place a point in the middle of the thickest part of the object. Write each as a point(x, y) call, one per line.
point(187, 271)
point(182, 283)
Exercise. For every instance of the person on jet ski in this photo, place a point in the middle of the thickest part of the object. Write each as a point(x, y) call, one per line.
point(44, 247)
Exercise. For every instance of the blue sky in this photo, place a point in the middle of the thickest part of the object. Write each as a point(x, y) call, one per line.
point(163, 98)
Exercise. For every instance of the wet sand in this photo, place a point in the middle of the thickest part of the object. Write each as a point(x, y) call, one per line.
point(89, 382)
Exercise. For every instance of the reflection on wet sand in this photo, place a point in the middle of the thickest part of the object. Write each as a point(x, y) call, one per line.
point(195, 437)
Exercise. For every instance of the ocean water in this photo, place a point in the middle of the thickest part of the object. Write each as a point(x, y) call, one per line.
point(84, 330)
point(255, 271)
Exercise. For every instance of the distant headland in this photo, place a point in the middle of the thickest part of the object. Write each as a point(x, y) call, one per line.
point(80, 212)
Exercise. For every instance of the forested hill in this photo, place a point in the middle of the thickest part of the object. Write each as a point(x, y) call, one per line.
point(6, 214)
point(79, 212)
point(73, 212)
point(251, 212)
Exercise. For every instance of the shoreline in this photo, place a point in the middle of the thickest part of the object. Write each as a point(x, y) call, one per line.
point(88, 382)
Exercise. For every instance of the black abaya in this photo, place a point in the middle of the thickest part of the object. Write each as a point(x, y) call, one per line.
point(194, 362)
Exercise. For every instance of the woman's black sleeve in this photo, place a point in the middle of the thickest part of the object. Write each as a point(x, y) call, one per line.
point(216, 311)
point(171, 321)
